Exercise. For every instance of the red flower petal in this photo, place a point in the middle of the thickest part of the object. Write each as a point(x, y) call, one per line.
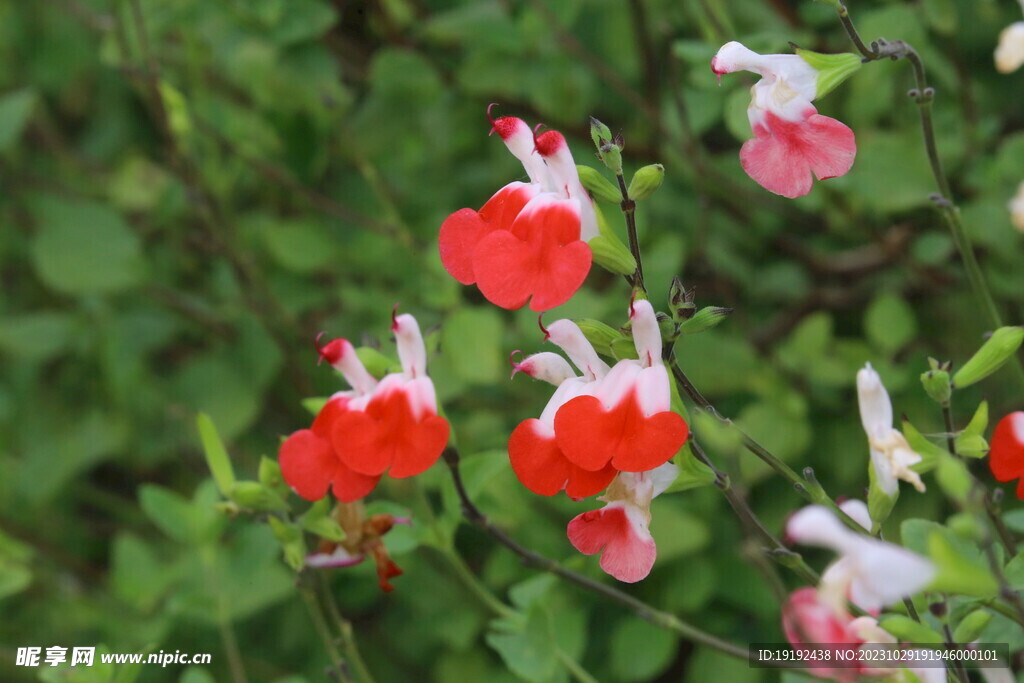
point(591, 436)
point(308, 464)
point(1006, 455)
point(536, 460)
point(628, 555)
point(387, 435)
point(541, 257)
point(350, 486)
point(785, 153)
point(463, 230)
point(584, 483)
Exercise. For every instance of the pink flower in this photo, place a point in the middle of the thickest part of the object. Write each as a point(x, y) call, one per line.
point(791, 140)
point(528, 242)
point(809, 621)
point(619, 530)
point(391, 425)
point(606, 421)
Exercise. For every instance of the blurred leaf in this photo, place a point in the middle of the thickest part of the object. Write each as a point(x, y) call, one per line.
point(217, 458)
point(471, 342)
point(15, 109)
point(889, 322)
point(36, 337)
point(527, 648)
point(84, 248)
point(186, 521)
point(640, 651)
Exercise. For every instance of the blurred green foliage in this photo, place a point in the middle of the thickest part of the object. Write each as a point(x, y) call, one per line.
point(193, 189)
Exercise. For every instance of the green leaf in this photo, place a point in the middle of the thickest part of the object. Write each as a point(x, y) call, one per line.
point(471, 343)
point(301, 247)
point(15, 109)
point(996, 350)
point(956, 574)
point(527, 648)
point(906, 629)
point(640, 651)
point(890, 322)
point(183, 520)
point(217, 458)
point(37, 337)
point(14, 578)
point(85, 248)
point(931, 455)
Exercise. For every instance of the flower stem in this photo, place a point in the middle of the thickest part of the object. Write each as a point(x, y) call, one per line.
point(320, 624)
point(574, 668)
point(924, 96)
point(344, 628)
point(541, 563)
point(628, 206)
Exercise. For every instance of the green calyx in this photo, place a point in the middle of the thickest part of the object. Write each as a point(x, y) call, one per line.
point(832, 69)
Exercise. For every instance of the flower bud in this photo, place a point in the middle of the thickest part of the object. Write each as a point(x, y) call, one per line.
point(598, 186)
point(972, 626)
point(612, 255)
point(600, 335)
point(646, 181)
point(936, 384)
point(255, 496)
point(290, 538)
point(609, 149)
point(1003, 343)
point(599, 133)
point(705, 319)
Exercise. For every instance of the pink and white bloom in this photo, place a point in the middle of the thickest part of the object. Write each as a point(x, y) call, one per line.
point(619, 530)
point(391, 425)
point(528, 242)
point(792, 142)
point(1009, 54)
point(869, 573)
point(1017, 209)
point(605, 421)
point(891, 455)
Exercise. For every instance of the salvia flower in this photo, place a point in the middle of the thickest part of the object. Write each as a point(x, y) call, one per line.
point(388, 425)
point(792, 142)
point(891, 455)
point(1009, 54)
point(608, 420)
point(869, 573)
point(619, 530)
point(363, 538)
point(1006, 454)
point(528, 242)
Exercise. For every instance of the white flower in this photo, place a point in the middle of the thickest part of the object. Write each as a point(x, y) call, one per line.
point(870, 573)
point(1010, 51)
point(1017, 209)
point(891, 455)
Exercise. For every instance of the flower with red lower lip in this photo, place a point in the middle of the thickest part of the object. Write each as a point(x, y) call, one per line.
point(619, 530)
point(1006, 452)
point(528, 242)
point(791, 141)
point(606, 421)
point(391, 425)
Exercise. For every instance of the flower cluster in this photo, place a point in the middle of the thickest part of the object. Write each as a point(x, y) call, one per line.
point(529, 241)
point(388, 425)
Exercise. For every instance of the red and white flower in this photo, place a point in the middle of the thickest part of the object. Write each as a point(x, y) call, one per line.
point(1006, 451)
point(791, 141)
point(606, 421)
point(619, 530)
point(528, 242)
point(891, 455)
point(869, 573)
point(391, 425)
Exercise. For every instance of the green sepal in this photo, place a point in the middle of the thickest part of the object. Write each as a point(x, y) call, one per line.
point(599, 133)
point(624, 349)
point(646, 181)
point(600, 335)
point(996, 350)
point(692, 472)
point(970, 443)
point(375, 362)
point(252, 495)
point(972, 626)
point(216, 455)
point(832, 69)
point(269, 474)
point(937, 385)
point(290, 538)
point(880, 504)
point(598, 186)
point(609, 251)
point(931, 455)
point(317, 520)
point(315, 404)
point(908, 630)
point(704, 319)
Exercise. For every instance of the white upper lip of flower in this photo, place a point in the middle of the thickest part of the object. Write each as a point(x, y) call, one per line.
point(891, 455)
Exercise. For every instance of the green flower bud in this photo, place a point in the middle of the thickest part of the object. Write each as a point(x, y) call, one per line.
point(253, 495)
point(270, 474)
point(972, 626)
point(705, 319)
point(290, 538)
point(1003, 343)
point(609, 251)
point(936, 385)
point(611, 156)
point(667, 327)
point(599, 335)
point(598, 186)
point(832, 69)
point(646, 181)
point(599, 133)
